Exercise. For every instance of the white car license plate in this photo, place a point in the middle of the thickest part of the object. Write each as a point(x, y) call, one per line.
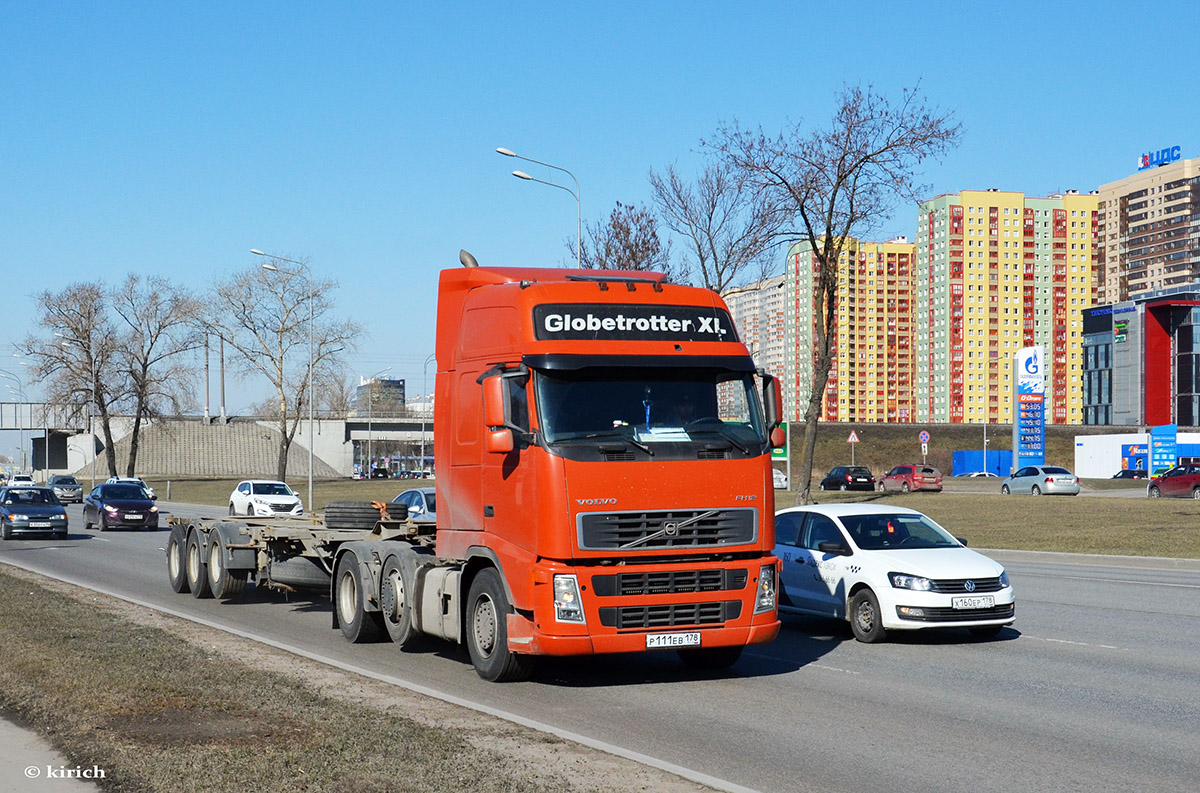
point(656, 641)
point(980, 602)
point(39, 524)
point(133, 516)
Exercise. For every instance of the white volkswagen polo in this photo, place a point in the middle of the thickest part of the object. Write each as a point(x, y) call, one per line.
point(886, 568)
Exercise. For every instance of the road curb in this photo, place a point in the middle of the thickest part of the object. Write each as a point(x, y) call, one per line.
point(1094, 559)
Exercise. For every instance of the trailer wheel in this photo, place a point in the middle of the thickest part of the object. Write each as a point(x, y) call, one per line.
point(710, 658)
point(176, 560)
point(224, 583)
point(487, 631)
point(396, 604)
point(358, 625)
point(197, 576)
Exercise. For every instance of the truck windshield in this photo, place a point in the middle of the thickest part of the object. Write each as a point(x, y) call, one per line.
point(649, 406)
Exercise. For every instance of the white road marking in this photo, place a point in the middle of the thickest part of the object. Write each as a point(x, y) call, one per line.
point(1068, 641)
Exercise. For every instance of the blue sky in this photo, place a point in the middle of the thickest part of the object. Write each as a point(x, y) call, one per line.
point(170, 138)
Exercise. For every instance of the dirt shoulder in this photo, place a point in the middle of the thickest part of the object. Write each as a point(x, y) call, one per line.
point(164, 704)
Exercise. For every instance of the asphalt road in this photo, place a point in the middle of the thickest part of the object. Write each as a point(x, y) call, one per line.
point(1096, 687)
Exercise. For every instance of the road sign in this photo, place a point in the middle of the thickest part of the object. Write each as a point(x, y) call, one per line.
point(924, 436)
point(853, 437)
point(924, 449)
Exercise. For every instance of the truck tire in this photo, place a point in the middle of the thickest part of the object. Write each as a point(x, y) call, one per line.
point(224, 583)
point(396, 594)
point(487, 631)
point(710, 658)
point(351, 515)
point(176, 559)
point(197, 576)
point(349, 593)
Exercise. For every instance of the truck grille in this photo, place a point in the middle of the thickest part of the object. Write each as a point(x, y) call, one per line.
point(606, 531)
point(958, 586)
point(668, 582)
point(670, 615)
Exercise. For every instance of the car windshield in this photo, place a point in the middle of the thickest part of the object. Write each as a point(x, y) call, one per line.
point(123, 492)
point(63, 480)
point(271, 489)
point(29, 496)
point(649, 405)
point(906, 531)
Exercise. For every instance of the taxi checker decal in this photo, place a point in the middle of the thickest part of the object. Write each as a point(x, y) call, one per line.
point(609, 322)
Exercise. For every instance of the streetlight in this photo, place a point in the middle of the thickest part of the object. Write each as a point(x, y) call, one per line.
point(311, 417)
point(20, 388)
point(575, 192)
point(370, 413)
point(424, 411)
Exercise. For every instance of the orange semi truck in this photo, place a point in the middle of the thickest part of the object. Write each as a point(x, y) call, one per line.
point(602, 461)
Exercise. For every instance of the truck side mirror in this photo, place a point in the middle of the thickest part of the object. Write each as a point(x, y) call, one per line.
point(500, 441)
point(772, 403)
point(493, 402)
point(778, 438)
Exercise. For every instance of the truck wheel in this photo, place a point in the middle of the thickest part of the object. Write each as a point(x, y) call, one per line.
point(487, 631)
point(709, 658)
point(396, 604)
point(224, 583)
point(176, 559)
point(865, 619)
point(197, 576)
point(349, 596)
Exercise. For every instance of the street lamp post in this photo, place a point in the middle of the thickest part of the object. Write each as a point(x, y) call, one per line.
point(20, 390)
point(311, 395)
point(575, 193)
point(424, 410)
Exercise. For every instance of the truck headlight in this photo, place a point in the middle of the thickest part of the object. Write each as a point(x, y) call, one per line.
point(567, 605)
point(765, 600)
point(902, 581)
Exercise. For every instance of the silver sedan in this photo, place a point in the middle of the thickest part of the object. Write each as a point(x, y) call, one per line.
point(1040, 480)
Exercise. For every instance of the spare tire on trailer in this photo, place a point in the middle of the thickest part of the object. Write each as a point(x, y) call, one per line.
point(359, 514)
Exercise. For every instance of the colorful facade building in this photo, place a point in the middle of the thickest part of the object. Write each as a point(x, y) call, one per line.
point(759, 312)
point(874, 367)
point(1149, 227)
point(996, 271)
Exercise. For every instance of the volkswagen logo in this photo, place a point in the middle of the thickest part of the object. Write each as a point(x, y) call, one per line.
point(671, 528)
point(969, 586)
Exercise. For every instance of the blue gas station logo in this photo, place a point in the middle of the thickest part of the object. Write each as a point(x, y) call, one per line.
point(1031, 364)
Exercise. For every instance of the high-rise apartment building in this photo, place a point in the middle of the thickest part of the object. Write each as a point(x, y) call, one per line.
point(874, 364)
point(759, 313)
point(996, 271)
point(1150, 229)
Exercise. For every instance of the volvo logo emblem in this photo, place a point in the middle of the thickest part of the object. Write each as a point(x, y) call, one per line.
point(670, 528)
point(969, 586)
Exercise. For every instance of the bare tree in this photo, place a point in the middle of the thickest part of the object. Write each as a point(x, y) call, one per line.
point(335, 394)
point(728, 226)
point(160, 326)
point(833, 184)
point(77, 361)
point(271, 319)
point(628, 241)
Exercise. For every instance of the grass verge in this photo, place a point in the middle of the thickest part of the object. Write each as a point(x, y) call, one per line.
point(162, 704)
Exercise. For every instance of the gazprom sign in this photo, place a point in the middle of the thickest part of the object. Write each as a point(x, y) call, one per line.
point(1153, 159)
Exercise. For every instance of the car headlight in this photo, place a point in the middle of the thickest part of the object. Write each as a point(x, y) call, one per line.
point(765, 600)
point(902, 581)
point(154, 509)
point(17, 516)
point(1003, 579)
point(110, 508)
point(567, 605)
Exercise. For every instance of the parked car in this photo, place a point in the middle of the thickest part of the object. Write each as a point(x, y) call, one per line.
point(886, 568)
point(912, 476)
point(31, 510)
point(848, 477)
point(66, 488)
point(133, 480)
point(1181, 481)
point(983, 474)
point(1130, 473)
point(421, 503)
point(1042, 480)
point(381, 473)
point(264, 498)
point(780, 478)
point(110, 505)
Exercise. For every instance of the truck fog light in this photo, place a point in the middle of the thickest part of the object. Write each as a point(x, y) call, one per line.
point(765, 601)
point(567, 605)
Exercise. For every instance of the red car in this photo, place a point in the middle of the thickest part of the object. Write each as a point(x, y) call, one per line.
point(912, 476)
point(1182, 480)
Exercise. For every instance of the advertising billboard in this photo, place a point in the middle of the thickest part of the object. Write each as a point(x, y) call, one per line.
point(1029, 407)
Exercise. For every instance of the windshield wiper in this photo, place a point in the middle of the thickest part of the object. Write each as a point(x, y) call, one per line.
point(724, 433)
point(623, 438)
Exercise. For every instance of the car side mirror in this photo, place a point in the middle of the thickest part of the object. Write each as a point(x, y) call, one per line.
point(834, 548)
point(963, 540)
point(415, 510)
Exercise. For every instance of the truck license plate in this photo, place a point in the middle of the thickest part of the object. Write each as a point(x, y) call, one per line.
point(982, 602)
point(658, 641)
